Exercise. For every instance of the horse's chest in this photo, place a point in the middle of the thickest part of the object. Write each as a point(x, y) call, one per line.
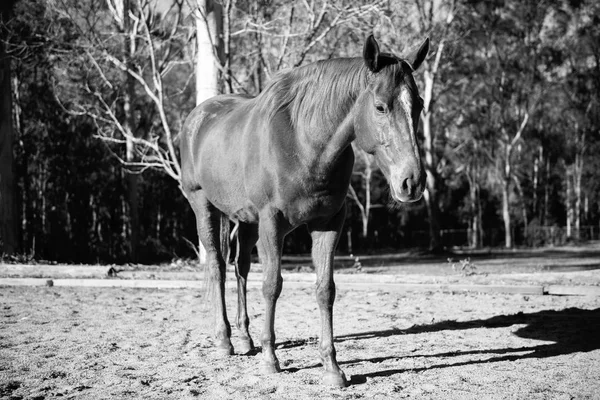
point(311, 206)
point(300, 190)
point(316, 196)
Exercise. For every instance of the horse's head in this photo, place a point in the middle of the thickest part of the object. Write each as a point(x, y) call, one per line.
point(387, 118)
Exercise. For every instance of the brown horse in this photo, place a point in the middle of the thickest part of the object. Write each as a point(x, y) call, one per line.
point(283, 159)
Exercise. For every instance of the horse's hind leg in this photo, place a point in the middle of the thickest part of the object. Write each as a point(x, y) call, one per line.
point(208, 221)
point(247, 237)
point(325, 237)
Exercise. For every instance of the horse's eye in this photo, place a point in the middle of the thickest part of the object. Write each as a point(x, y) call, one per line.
point(380, 108)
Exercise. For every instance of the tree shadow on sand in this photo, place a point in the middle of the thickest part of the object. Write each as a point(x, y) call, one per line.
point(570, 330)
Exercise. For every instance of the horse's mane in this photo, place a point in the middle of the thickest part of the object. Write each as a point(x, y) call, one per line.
point(319, 93)
point(316, 93)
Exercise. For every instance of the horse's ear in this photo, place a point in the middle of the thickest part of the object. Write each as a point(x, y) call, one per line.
point(419, 56)
point(371, 53)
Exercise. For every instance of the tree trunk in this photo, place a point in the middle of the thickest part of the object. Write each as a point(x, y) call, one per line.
point(9, 220)
point(93, 231)
point(430, 194)
point(508, 243)
point(569, 201)
point(479, 219)
point(536, 181)
point(506, 180)
point(132, 177)
point(475, 239)
point(507, 177)
point(431, 69)
point(21, 171)
point(578, 173)
point(124, 216)
point(586, 208)
point(209, 30)
point(523, 207)
point(131, 222)
point(365, 209)
point(226, 45)
point(42, 206)
point(546, 193)
point(158, 221)
point(129, 125)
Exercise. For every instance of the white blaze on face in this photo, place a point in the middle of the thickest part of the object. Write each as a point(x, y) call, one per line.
point(409, 166)
point(406, 102)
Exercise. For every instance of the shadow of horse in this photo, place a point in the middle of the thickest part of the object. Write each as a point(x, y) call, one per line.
point(571, 330)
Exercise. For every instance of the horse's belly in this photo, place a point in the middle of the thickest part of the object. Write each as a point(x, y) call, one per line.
point(230, 198)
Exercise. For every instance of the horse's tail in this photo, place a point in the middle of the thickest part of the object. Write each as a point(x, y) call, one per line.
point(225, 229)
point(208, 286)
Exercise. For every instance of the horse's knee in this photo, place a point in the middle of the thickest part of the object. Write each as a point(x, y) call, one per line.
point(272, 288)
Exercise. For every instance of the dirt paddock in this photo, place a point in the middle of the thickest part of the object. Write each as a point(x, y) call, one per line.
point(125, 343)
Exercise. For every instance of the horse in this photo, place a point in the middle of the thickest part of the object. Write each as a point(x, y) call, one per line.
point(283, 159)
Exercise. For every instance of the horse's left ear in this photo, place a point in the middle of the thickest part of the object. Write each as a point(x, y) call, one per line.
point(419, 57)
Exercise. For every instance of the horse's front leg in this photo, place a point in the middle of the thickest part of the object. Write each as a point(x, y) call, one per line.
point(324, 240)
point(270, 244)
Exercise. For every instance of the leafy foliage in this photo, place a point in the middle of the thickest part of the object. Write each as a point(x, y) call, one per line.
point(503, 63)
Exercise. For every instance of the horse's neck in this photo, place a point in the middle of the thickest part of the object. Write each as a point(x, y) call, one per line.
point(327, 126)
point(326, 146)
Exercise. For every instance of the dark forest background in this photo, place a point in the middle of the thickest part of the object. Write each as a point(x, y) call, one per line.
point(95, 91)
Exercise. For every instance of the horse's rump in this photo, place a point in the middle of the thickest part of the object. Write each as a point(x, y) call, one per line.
point(210, 122)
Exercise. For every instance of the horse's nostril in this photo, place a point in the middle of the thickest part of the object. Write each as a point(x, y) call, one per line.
point(407, 185)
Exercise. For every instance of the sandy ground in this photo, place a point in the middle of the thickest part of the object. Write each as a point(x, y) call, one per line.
point(93, 343)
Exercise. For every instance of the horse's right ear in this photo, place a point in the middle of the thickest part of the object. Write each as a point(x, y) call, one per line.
point(371, 53)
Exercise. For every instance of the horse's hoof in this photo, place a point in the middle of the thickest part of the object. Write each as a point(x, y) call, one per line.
point(335, 379)
point(270, 368)
point(224, 351)
point(245, 347)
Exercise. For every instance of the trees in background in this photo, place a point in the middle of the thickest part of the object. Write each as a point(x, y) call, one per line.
point(9, 236)
point(100, 89)
point(513, 88)
point(435, 19)
point(573, 32)
point(129, 50)
point(518, 121)
point(362, 197)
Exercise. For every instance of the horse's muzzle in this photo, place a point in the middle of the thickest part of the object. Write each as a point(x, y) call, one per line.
point(406, 191)
point(407, 187)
